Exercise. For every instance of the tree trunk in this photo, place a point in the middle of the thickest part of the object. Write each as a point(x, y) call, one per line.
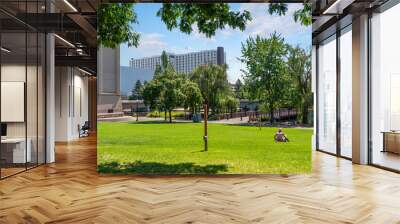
point(271, 115)
point(165, 115)
point(279, 114)
point(304, 114)
point(205, 127)
point(170, 117)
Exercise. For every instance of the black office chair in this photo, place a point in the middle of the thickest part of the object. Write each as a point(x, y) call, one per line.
point(84, 130)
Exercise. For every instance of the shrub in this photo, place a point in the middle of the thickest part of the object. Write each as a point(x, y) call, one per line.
point(177, 114)
point(161, 114)
point(154, 114)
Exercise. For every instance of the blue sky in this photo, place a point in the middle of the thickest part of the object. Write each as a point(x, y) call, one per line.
point(155, 37)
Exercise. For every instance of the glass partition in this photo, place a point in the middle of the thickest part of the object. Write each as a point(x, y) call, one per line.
point(13, 94)
point(32, 98)
point(327, 95)
point(41, 97)
point(385, 89)
point(346, 92)
point(22, 88)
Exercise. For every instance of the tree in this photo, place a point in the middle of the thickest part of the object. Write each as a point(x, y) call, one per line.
point(299, 70)
point(137, 91)
point(304, 15)
point(171, 95)
point(238, 89)
point(193, 97)
point(213, 83)
point(208, 17)
point(115, 19)
point(266, 73)
point(165, 91)
point(151, 92)
point(114, 25)
point(231, 104)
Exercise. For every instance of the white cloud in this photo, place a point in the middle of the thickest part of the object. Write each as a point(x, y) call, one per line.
point(151, 44)
point(264, 24)
point(234, 69)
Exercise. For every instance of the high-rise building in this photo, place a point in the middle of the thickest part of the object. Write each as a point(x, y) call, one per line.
point(184, 63)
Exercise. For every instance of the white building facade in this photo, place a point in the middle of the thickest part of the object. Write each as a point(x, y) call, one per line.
point(184, 63)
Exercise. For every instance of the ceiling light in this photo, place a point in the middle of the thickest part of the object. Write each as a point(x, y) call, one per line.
point(5, 50)
point(70, 5)
point(65, 41)
point(84, 71)
point(337, 7)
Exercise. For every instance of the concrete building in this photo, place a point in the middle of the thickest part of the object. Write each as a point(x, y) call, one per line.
point(109, 92)
point(129, 76)
point(184, 63)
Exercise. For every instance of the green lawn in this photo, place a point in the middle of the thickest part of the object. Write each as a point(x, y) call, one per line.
point(162, 148)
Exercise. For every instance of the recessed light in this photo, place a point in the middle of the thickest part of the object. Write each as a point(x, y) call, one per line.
point(65, 41)
point(84, 71)
point(70, 5)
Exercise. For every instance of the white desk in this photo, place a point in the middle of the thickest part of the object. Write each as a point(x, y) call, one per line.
point(19, 153)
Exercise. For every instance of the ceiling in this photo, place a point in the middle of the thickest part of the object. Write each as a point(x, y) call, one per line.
point(330, 15)
point(73, 21)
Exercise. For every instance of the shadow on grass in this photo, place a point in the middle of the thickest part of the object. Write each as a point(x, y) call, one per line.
point(139, 167)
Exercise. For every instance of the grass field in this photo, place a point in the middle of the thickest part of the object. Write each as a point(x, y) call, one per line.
point(163, 148)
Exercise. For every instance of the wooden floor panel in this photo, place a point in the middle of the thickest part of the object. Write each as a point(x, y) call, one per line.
point(71, 191)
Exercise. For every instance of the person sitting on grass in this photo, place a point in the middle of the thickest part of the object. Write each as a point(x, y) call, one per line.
point(280, 136)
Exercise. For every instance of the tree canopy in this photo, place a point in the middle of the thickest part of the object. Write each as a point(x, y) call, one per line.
point(304, 15)
point(207, 17)
point(299, 70)
point(193, 97)
point(169, 90)
point(137, 91)
point(114, 25)
point(266, 69)
point(213, 83)
point(115, 19)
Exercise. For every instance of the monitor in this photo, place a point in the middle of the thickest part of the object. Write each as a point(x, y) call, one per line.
point(3, 129)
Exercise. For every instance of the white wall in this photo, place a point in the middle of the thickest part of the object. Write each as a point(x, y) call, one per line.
point(14, 73)
point(71, 102)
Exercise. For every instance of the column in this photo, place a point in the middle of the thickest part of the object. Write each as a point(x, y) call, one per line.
point(360, 90)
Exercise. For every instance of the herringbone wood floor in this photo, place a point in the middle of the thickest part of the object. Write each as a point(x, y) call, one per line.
point(71, 191)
